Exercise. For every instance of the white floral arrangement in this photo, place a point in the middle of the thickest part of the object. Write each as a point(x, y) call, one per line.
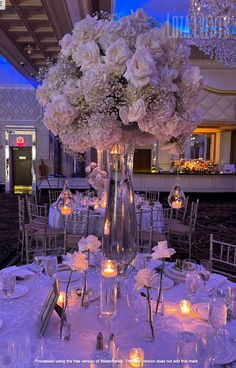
point(116, 76)
point(97, 177)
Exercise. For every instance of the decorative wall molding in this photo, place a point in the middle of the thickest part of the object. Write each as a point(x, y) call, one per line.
point(217, 107)
point(19, 105)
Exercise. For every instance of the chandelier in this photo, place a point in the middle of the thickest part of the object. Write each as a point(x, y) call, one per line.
point(213, 28)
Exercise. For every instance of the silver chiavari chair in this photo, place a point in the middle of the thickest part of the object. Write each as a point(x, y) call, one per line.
point(53, 196)
point(223, 257)
point(152, 196)
point(179, 216)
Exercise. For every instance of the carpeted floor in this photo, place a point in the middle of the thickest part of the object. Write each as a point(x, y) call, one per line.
point(216, 217)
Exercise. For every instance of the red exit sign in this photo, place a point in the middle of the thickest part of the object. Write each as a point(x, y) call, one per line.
point(20, 141)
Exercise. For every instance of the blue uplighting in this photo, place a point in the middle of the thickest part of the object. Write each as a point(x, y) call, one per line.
point(9, 75)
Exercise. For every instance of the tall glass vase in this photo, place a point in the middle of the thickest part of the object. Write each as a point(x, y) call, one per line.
point(120, 226)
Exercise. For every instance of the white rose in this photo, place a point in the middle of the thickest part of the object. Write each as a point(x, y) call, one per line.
point(139, 16)
point(191, 78)
point(141, 69)
point(116, 56)
point(76, 261)
point(88, 170)
point(42, 96)
point(65, 44)
point(162, 251)
point(150, 41)
point(133, 113)
point(60, 111)
point(145, 278)
point(91, 243)
point(88, 56)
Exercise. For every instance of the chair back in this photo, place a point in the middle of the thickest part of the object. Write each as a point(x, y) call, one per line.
point(38, 216)
point(181, 213)
point(76, 226)
point(160, 222)
point(21, 213)
point(53, 196)
point(193, 215)
point(223, 257)
point(152, 196)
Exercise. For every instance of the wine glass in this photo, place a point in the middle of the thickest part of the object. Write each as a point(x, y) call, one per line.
point(187, 346)
point(205, 270)
point(51, 266)
point(217, 317)
point(193, 283)
point(39, 256)
point(8, 283)
point(189, 265)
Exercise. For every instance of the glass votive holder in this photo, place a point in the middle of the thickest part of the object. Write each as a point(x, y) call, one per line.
point(136, 358)
point(109, 268)
point(108, 289)
point(185, 307)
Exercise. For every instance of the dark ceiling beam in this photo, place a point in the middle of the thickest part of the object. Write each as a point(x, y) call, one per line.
point(16, 58)
point(106, 5)
point(28, 27)
point(59, 16)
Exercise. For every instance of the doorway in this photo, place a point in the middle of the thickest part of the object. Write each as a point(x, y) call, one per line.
point(22, 169)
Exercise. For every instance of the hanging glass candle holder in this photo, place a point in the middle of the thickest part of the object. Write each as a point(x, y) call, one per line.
point(176, 198)
point(65, 201)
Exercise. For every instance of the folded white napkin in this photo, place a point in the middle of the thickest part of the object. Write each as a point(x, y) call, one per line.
point(215, 281)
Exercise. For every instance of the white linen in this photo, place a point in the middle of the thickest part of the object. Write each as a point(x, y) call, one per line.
point(20, 318)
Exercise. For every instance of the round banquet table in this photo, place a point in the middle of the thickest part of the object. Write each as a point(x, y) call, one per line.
point(55, 219)
point(20, 318)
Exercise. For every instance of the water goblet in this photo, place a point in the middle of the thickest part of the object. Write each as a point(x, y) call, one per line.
point(39, 256)
point(193, 283)
point(8, 283)
point(205, 270)
point(187, 348)
point(217, 316)
point(189, 265)
point(51, 266)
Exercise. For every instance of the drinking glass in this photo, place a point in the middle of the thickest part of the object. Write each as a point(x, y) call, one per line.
point(8, 283)
point(51, 266)
point(230, 297)
point(193, 283)
point(187, 348)
point(39, 256)
point(189, 265)
point(218, 313)
point(205, 270)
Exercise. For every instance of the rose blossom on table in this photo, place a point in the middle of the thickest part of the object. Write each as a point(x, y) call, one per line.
point(76, 261)
point(145, 278)
point(91, 244)
point(161, 251)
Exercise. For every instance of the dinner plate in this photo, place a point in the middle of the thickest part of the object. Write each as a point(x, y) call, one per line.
point(215, 281)
point(166, 283)
point(201, 310)
point(63, 276)
point(19, 291)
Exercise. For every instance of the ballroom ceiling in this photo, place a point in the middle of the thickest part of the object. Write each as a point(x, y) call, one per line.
point(30, 29)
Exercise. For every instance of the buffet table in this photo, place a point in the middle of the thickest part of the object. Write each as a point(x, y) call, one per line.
point(20, 326)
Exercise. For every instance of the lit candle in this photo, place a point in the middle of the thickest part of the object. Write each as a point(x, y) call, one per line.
point(109, 268)
point(176, 204)
point(185, 307)
point(136, 357)
point(65, 210)
point(61, 297)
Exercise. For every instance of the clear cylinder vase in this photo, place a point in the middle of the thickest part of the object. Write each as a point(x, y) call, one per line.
point(120, 226)
point(148, 331)
point(65, 331)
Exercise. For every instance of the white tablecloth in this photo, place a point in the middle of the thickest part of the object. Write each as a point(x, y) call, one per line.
point(55, 219)
point(20, 318)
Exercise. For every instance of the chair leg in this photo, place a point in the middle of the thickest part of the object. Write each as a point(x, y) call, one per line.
point(190, 245)
point(27, 248)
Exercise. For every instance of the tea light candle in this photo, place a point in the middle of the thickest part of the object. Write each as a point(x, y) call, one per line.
point(65, 210)
point(136, 357)
point(109, 268)
point(61, 297)
point(176, 204)
point(185, 307)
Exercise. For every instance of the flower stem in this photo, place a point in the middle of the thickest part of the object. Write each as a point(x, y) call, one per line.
point(150, 311)
point(84, 288)
point(160, 287)
point(64, 304)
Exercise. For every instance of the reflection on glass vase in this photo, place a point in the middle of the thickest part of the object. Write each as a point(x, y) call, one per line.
point(120, 226)
point(65, 321)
